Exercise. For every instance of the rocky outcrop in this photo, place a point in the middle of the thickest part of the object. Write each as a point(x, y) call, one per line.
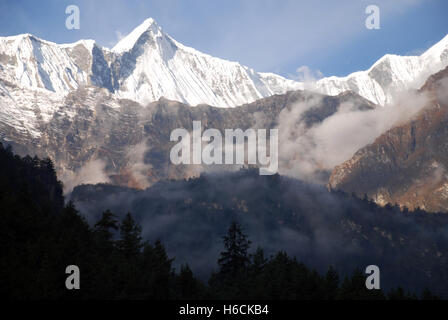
point(407, 164)
point(92, 133)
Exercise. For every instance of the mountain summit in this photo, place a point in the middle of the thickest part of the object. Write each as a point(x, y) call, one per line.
point(151, 65)
point(128, 42)
point(390, 75)
point(84, 105)
point(148, 64)
point(144, 66)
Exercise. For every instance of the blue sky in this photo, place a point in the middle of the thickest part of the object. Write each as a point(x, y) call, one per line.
point(268, 35)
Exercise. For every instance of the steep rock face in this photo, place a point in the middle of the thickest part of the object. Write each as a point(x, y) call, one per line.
point(80, 102)
point(131, 143)
point(407, 164)
point(32, 63)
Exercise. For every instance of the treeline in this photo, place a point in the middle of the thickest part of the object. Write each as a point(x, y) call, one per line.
point(40, 237)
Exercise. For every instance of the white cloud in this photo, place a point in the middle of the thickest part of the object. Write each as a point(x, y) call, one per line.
point(92, 172)
point(119, 35)
point(306, 74)
point(305, 152)
point(136, 166)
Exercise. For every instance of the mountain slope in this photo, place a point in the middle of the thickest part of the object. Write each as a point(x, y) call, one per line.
point(144, 66)
point(407, 164)
point(148, 64)
point(162, 67)
point(91, 132)
point(85, 105)
point(390, 75)
point(319, 228)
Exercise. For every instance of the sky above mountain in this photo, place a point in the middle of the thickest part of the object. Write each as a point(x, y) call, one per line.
point(320, 37)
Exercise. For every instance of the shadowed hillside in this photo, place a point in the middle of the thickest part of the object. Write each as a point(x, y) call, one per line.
point(279, 213)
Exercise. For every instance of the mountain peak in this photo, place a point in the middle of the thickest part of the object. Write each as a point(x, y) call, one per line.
point(128, 42)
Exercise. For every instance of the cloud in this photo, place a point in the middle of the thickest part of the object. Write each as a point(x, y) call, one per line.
point(415, 52)
point(319, 228)
point(92, 172)
point(307, 152)
point(139, 171)
point(442, 91)
point(119, 36)
point(305, 74)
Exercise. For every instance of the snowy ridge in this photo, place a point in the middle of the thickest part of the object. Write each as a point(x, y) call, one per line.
point(389, 75)
point(163, 67)
point(148, 64)
point(128, 42)
point(30, 62)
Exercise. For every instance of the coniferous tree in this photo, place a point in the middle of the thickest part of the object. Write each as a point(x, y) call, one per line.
point(105, 226)
point(235, 258)
point(400, 294)
point(258, 261)
point(331, 283)
point(428, 295)
point(354, 288)
point(189, 286)
point(39, 237)
point(130, 242)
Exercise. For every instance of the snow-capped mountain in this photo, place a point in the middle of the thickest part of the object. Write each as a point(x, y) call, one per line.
point(148, 64)
point(144, 66)
point(30, 62)
point(81, 103)
point(389, 75)
point(406, 165)
point(152, 65)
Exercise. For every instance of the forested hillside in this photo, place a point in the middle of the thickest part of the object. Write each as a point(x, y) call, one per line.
point(40, 237)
